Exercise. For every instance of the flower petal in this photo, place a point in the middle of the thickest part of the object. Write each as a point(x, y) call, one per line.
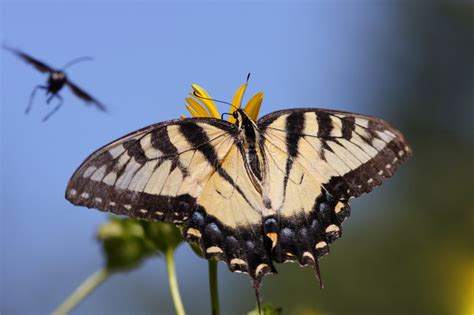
point(253, 106)
point(237, 101)
point(192, 111)
point(206, 100)
point(197, 107)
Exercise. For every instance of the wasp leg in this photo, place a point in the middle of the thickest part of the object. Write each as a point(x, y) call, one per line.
point(56, 108)
point(32, 96)
point(51, 98)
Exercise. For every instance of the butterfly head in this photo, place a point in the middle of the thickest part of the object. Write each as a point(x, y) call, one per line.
point(240, 117)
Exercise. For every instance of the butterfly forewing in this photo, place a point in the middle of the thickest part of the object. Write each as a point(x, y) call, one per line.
point(155, 173)
point(349, 154)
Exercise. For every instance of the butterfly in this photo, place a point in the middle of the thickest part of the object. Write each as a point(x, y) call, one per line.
point(56, 81)
point(251, 194)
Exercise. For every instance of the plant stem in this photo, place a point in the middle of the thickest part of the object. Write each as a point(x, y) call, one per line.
point(213, 287)
point(82, 291)
point(173, 282)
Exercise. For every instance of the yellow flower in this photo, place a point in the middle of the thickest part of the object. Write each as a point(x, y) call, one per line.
point(200, 104)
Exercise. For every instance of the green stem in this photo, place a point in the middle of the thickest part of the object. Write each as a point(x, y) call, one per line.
point(82, 291)
point(178, 304)
point(213, 287)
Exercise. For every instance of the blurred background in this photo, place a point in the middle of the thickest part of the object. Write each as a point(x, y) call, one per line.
point(408, 247)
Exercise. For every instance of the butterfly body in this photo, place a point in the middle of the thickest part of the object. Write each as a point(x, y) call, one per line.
point(249, 138)
point(251, 193)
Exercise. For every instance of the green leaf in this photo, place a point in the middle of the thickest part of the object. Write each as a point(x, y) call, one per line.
point(196, 249)
point(164, 236)
point(267, 309)
point(124, 244)
point(127, 242)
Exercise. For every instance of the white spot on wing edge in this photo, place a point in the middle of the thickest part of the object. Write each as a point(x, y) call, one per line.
point(193, 232)
point(238, 261)
point(214, 250)
point(73, 192)
point(339, 207)
point(309, 255)
point(85, 195)
point(332, 228)
point(260, 268)
point(321, 244)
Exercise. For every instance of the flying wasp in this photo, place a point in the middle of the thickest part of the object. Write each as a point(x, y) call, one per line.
point(56, 81)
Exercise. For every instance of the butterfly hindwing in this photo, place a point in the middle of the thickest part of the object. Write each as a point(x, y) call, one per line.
point(228, 222)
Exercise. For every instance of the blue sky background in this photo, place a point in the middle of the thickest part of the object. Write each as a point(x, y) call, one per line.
point(331, 54)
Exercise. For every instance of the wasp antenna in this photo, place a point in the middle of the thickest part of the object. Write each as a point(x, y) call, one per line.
point(77, 60)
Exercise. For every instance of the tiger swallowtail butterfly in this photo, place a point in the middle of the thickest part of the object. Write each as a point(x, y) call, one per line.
point(251, 194)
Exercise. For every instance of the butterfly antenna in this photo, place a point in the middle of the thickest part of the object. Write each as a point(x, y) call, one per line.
point(77, 60)
point(222, 115)
point(196, 93)
point(246, 82)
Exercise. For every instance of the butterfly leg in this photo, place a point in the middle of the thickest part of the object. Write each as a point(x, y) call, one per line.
point(32, 96)
point(56, 108)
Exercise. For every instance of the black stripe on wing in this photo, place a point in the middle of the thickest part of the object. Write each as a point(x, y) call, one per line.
point(294, 125)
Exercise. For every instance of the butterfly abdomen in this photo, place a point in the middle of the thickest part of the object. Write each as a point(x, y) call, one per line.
point(250, 145)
